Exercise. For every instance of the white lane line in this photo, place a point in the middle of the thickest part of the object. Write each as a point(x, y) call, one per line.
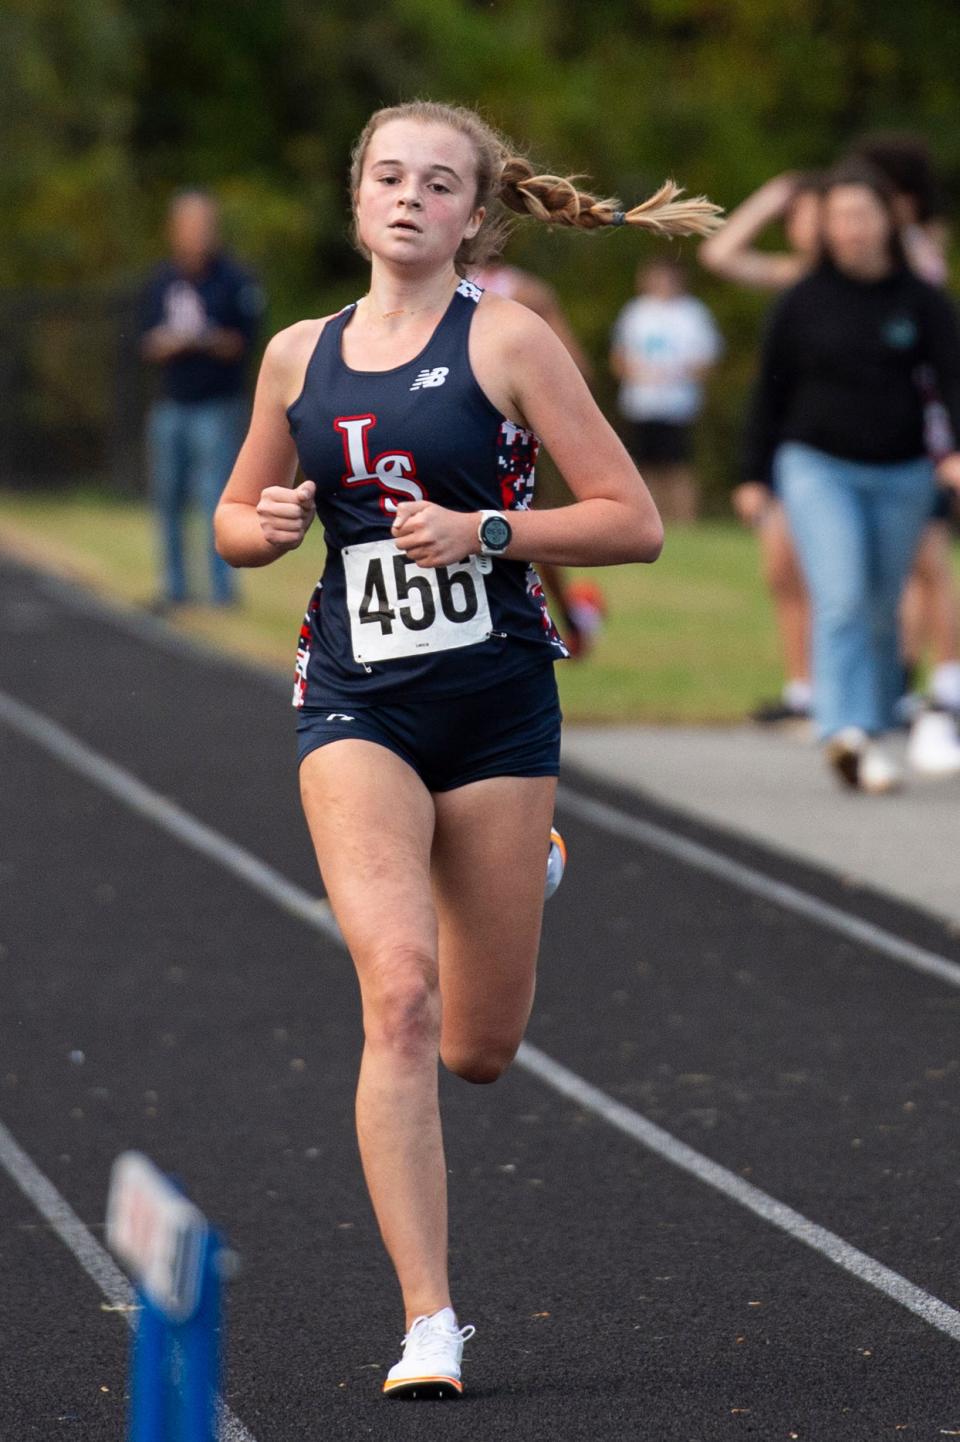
point(778, 1214)
point(125, 787)
point(300, 904)
point(97, 1263)
point(597, 813)
point(781, 893)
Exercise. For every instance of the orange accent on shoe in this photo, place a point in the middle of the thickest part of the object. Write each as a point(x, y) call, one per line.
point(412, 1382)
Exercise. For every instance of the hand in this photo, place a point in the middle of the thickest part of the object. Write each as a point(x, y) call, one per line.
point(286, 514)
point(751, 501)
point(163, 343)
point(433, 536)
point(222, 343)
point(948, 471)
point(778, 191)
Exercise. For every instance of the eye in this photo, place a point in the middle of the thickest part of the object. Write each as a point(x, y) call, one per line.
point(439, 186)
point(388, 179)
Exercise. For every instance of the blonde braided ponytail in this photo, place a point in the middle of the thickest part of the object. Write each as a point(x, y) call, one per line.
point(557, 200)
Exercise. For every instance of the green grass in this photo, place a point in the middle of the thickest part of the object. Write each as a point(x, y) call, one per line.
point(690, 639)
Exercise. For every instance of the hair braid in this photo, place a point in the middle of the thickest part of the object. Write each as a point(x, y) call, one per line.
point(557, 200)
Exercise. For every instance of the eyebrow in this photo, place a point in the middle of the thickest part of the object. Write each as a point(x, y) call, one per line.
point(435, 166)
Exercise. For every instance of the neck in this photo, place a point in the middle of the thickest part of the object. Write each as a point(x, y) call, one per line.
point(392, 296)
point(869, 268)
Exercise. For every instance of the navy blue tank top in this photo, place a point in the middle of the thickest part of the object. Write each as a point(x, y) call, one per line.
point(378, 626)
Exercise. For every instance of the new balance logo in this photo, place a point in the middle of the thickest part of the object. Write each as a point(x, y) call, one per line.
point(436, 377)
point(339, 716)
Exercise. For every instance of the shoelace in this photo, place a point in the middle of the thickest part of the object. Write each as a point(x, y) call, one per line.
point(430, 1340)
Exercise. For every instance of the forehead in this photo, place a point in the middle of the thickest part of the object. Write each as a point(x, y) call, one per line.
point(422, 144)
point(848, 197)
point(193, 210)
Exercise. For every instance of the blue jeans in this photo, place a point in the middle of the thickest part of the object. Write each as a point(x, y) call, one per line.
point(191, 450)
point(856, 527)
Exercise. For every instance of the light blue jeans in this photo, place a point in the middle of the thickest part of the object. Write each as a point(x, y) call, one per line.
point(856, 527)
point(191, 450)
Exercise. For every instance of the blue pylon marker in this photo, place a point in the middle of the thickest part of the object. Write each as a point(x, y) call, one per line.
point(178, 1263)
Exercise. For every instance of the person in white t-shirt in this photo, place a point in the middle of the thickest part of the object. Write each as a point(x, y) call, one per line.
point(664, 342)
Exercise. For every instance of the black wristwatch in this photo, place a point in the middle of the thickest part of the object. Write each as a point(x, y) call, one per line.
point(494, 533)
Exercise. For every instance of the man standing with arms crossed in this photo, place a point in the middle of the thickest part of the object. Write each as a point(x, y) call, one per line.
point(201, 313)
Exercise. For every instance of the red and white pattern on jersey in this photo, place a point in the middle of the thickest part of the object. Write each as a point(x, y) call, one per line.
point(303, 649)
point(517, 451)
point(537, 594)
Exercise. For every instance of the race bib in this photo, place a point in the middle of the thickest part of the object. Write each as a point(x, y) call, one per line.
point(398, 608)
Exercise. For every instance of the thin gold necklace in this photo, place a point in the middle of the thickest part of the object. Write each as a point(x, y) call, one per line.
point(405, 310)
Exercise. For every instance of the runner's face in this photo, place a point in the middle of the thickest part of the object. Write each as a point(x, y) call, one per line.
point(415, 202)
point(856, 227)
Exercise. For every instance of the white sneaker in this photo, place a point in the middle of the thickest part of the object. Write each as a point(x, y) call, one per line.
point(556, 863)
point(934, 747)
point(432, 1353)
point(879, 773)
point(845, 751)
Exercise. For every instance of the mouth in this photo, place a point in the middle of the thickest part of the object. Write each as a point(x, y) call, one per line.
point(404, 225)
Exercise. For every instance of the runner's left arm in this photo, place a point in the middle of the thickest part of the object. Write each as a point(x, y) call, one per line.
point(613, 518)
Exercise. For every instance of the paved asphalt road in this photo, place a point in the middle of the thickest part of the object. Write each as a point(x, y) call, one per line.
point(151, 998)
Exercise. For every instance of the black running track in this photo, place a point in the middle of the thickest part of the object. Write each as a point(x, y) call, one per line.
point(614, 1296)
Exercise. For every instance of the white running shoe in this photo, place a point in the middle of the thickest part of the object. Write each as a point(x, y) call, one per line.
point(934, 747)
point(556, 862)
point(432, 1353)
point(879, 773)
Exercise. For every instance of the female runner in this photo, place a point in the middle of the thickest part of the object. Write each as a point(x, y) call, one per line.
point(428, 717)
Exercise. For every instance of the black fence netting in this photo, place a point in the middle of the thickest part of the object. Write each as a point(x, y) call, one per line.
point(73, 390)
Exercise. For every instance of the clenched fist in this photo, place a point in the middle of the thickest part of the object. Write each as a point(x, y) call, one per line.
point(286, 514)
point(433, 535)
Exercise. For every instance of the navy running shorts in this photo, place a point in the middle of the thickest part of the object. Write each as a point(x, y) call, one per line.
point(512, 729)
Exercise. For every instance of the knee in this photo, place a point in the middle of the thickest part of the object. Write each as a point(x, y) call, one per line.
point(401, 1003)
point(781, 575)
point(481, 1063)
point(843, 610)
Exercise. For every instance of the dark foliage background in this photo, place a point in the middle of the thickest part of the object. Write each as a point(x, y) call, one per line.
point(110, 104)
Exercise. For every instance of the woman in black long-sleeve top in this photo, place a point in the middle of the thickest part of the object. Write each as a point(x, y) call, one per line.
point(837, 427)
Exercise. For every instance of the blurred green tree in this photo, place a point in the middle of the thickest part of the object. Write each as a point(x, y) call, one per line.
point(113, 103)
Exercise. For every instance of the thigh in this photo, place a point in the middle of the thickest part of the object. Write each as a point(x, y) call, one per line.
point(165, 452)
point(214, 443)
point(489, 865)
point(371, 820)
point(899, 514)
point(781, 569)
point(931, 563)
point(828, 522)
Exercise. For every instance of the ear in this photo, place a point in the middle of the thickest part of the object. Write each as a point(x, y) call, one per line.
point(474, 223)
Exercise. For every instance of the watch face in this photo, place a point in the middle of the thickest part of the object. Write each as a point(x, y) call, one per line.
point(496, 533)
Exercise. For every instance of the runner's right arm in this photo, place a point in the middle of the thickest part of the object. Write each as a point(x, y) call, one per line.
point(262, 514)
